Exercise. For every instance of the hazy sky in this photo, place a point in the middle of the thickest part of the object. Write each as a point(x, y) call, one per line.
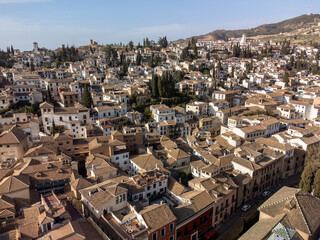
point(54, 22)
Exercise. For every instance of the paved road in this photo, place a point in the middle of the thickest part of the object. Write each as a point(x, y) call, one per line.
point(239, 214)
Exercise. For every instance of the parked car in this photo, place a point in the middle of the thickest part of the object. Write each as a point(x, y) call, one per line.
point(266, 193)
point(246, 207)
point(211, 235)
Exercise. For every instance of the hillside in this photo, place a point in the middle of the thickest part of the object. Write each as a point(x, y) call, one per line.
point(285, 26)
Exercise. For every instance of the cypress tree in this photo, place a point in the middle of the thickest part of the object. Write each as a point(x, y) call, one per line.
point(154, 86)
point(49, 97)
point(219, 65)
point(151, 62)
point(160, 86)
point(131, 45)
point(172, 86)
point(286, 78)
point(316, 184)
point(53, 129)
point(214, 72)
point(86, 98)
point(306, 179)
point(139, 58)
point(208, 56)
point(32, 66)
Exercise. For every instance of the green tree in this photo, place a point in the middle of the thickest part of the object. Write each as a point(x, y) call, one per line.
point(315, 68)
point(124, 68)
point(6, 60)
point(306, 179)
point(130, 44)
point(32, 66)
point(236, 51)
point(53, 129)
point(147, 114)
point(285, 47)
point(133, 99)
point(286, 78)
point(178, 76)
point(146, 42)
point(316, 184)
point(139, 58)
point(160, 87)
point(86, 98)
point(151, 62)
point(219, 66)
point(208, 56)
point(111, 55)
point(154, 86)
point(291, 63)
point(193, 46)
point(313, 157)
point(184, 56)
point(163, 42)
point(49, 96)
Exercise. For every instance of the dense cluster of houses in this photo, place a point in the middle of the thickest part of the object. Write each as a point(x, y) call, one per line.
point(111, 173)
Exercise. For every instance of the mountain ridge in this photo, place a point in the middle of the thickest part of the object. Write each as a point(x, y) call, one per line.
point(284, 26)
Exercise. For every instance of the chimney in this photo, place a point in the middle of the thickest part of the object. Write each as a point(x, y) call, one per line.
point(74, 165)
point(180, 180)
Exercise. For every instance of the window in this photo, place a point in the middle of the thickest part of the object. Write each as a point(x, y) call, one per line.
point(195, 225)
point(163, 232)
point(171, 227)
point(179, 234)
point(186, 231)
point(154, 236)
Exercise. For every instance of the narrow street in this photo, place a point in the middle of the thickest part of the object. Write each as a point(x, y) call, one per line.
point(240, 217)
